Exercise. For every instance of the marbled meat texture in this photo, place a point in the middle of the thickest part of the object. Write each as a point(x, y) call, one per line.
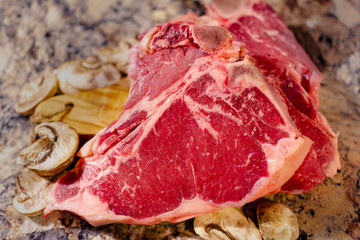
point(289, 72)
point(221, 112)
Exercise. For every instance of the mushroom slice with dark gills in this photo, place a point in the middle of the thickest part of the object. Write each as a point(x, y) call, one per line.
point(53, 151)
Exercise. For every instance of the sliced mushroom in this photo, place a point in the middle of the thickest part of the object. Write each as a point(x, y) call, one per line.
point(81, 112)
point(86, 74)
point(227, 224)
point(38, 150)
point(277, 221)
point(32, 191)
point(34, 92)
point(117, 55)
point(53, 151)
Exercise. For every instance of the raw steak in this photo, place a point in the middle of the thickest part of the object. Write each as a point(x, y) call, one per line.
point(201, 130)
point(207, 125)
point(287, 69)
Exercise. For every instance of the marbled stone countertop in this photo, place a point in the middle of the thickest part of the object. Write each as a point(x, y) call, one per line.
point(37, 35)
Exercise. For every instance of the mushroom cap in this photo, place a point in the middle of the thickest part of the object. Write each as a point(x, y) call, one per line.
point(86, 74)
point(34, 92)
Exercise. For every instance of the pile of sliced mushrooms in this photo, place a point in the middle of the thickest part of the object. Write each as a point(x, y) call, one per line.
point(79, 98)
point(61, 105)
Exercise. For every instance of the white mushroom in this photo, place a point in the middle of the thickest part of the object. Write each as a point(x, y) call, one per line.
point(117, 55)
point(53, 151)
point(277, 221)
point(35, 91)
point(227, 224)
point(32, 190)
point(86, 74)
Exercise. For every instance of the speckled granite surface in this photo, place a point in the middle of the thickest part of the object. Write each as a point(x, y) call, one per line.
point(36, 35)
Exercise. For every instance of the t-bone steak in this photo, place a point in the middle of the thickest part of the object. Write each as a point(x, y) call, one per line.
point(221, 111)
